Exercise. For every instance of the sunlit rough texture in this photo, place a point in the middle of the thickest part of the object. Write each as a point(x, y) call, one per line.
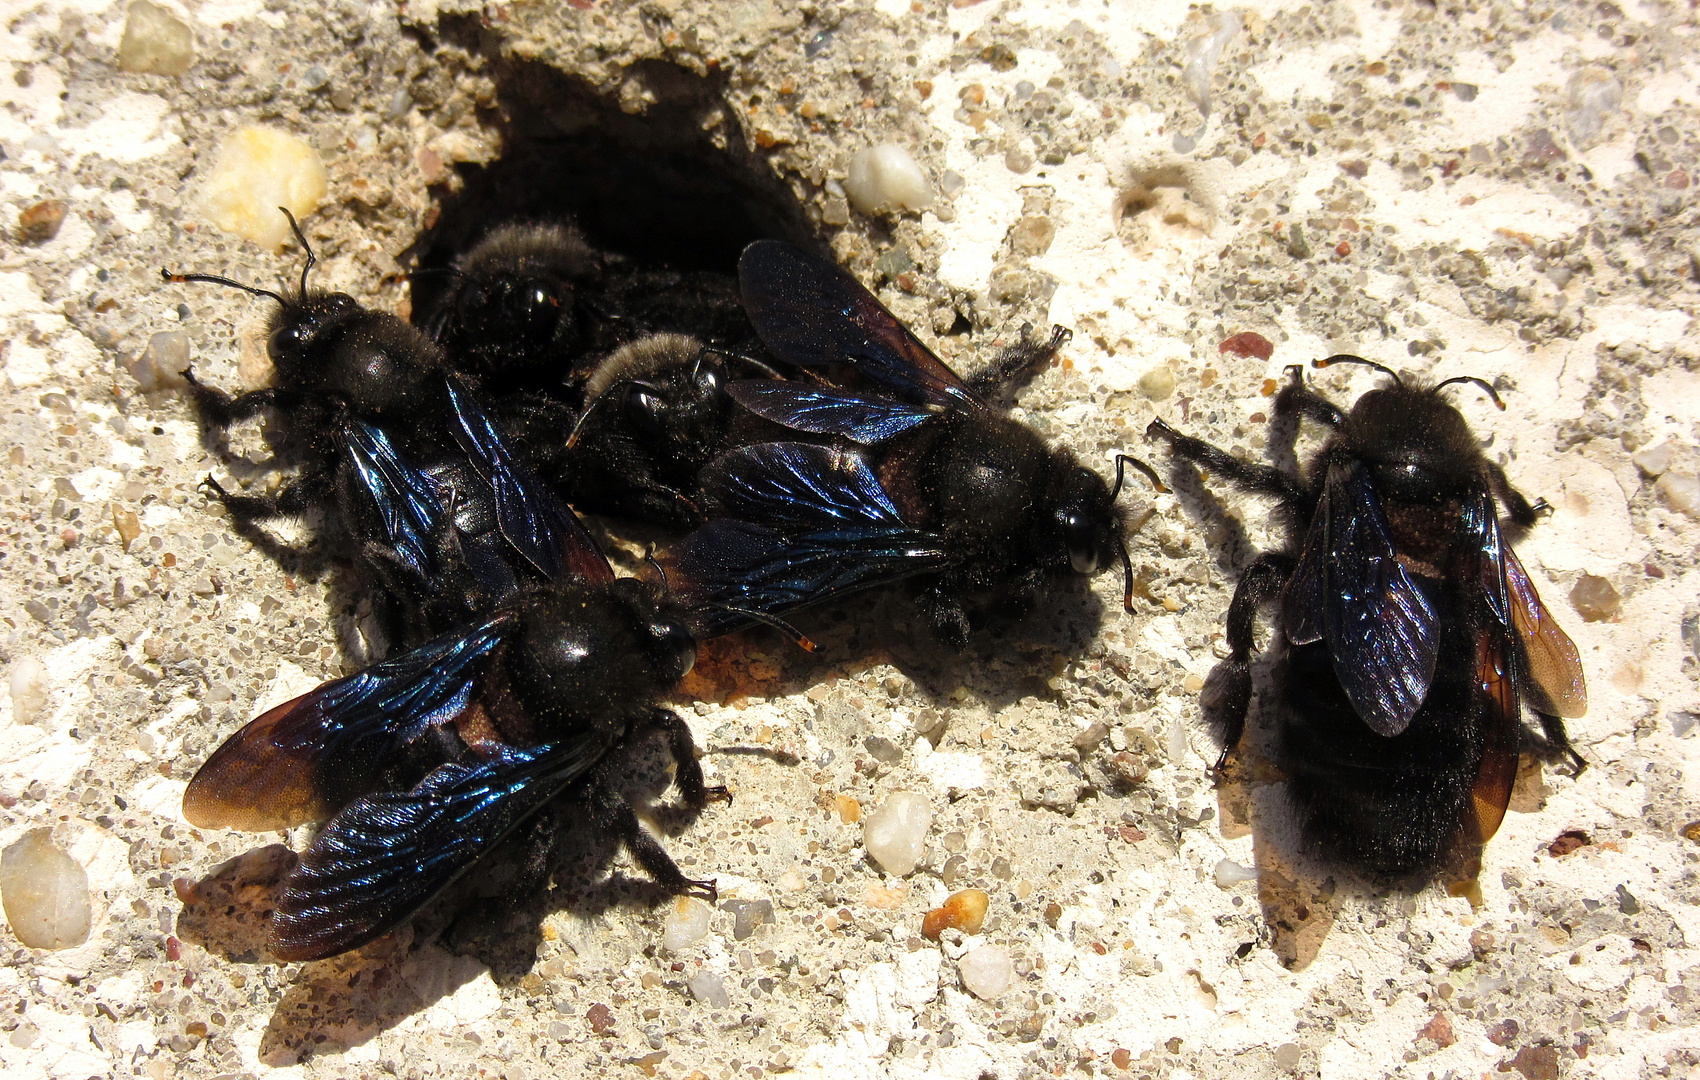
point(896, 833)
point(884, 178)
point(45, 893)
point(155, 41)
point(260, 169)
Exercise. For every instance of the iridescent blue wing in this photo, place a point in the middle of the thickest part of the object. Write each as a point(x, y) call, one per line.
point(409, 505)
point(303, 760)
point(386, 855)
point(811, 313)
point(1350, 591)
point(788, 484)
point(826, 411)
point(727, 568)
point(529, 515)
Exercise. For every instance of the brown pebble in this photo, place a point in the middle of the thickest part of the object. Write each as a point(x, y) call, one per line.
point(1691, 831)
point(600, 1017)
point(1503, 1032)
point(129, 526)
point(1596, 599)
point(1537, 1062)
point(849, 810)
point(1053, 912)
point(1439, 1031)
point(40, 223)
point(1248, 343)
point(1567, 842)
point(1121, 1058)
point(964, 911)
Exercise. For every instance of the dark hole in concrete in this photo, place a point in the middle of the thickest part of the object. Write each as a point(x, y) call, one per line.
point(649, 185)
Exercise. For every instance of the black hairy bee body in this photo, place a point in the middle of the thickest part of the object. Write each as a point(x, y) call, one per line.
point(425, 762)
point(334, 359)
point(899, 468)
point(1407, 639)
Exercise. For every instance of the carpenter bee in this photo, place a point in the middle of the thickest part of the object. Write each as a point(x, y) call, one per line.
point(518, 306)
point(452, 538)
point(334, 359)
point(1408, 634)
point(656, 411)
point(424, 762)
point(925, 479)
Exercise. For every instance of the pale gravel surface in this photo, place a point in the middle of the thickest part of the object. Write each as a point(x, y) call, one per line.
point(1452, 222)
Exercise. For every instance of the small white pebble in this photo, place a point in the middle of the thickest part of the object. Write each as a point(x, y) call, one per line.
point(1230, 873)
point(30, 687)
point(1654, 460)
point(685, 925)
point(1202, 53)
point(161, 365)
point(986, 971)
point(45, 893)
point(1681, 492)
point(1594, 95)
point(260, 169)
point(896, 833)
point(884, 178)
point(1158, 383)
point(707, 988)
point(155, 41)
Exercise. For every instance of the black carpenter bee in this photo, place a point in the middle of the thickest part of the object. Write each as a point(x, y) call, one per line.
point(655, 412)
point(528, 304)
point(1407, 632)
point(922, 478)
point(518, 309)
point(450, 538)
point(424, 762)
point(334, 358)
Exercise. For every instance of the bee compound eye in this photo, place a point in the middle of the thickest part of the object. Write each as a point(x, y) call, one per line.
point(710, 381)
point(288, 341)
point(1082, 546)
point(645, 409)
point(676, 646)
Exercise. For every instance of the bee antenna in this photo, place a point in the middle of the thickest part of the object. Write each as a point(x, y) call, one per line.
point(215, 279)
point(1127, 575)
point(774, 621)
point(301, 238)
point(1122, 462)
point(649, 557)
point(1479, 382)
point(601, 399)
point(743, 358)
point(1348, 358)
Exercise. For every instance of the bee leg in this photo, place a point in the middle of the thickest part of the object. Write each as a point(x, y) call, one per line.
point(1018, 363)
point(944, 614)
point(1557, 742)
point(220, 410)
point(692, 787)
point(294, 498)
point(1261, 479)
point(1522, 513)
point(1298, 398)
point(619, 818)
point(1227, 695)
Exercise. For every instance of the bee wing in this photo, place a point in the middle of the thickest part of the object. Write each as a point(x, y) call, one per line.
point(1491, 792)
point(385, 856)
point(727, 568)
point(1351, 591)
point(826, 411)
point(304, 759)
point(798, 484)
point(1550, 675)
point(532, 519)
point(812, 313)
point(1555, 684)
point(408, 502)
